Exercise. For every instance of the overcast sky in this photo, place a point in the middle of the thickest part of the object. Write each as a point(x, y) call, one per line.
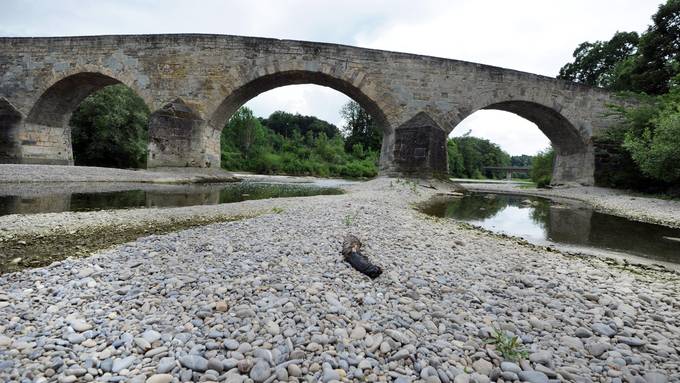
point(536, 36)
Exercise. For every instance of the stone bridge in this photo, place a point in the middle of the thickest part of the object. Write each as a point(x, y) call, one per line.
point(194, 83)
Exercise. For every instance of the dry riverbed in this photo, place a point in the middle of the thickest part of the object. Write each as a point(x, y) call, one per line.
point(268, 298)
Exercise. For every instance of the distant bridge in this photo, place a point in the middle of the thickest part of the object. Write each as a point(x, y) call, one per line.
point(508, 170)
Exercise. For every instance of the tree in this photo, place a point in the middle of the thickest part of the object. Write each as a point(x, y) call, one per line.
point(285, 123)
point(243, 131)
point(659, 61)
point(542, 167)
point(109, 129)
point(360, 128)
point(643, 151)
point(654, 141)
point(649, 63)
point(469, 155)
point(598, 63)
point(523, 160)
point(456, 163)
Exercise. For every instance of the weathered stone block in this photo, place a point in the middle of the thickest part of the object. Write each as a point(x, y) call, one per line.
point(174, 136)
point(420, 147)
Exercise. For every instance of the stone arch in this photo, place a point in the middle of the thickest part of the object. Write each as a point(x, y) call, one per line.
point(46, 125)
point(361, 93)
point(10, 119)
point(573, 160)
point(57, 103)
point(251, 89)
point(560, 131)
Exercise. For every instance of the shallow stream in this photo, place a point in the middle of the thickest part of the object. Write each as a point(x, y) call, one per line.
point(566, 224)
point(55, 198)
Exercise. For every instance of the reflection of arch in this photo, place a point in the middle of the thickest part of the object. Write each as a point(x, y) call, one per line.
point(564, 136)
point(251, 89)
point(55, 105)
point(9, 123)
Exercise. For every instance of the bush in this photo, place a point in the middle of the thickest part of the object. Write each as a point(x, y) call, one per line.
point(542, 167)
point(109, 129)
point(543, 182)
point(654, 144)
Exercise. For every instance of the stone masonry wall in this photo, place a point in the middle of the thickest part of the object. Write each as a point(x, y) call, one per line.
point(214, 74)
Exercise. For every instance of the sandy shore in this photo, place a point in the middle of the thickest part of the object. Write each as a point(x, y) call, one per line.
point(268, 299)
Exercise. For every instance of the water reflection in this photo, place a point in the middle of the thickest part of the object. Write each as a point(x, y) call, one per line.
point(53, 201)
point(542, 221)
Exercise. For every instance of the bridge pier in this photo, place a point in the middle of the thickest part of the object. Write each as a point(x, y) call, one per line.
point(419, 149)
point(574, 168)
point(10, 121)
point(179, 137)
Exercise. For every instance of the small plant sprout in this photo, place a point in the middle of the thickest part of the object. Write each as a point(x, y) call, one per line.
point(348, 219)
point(508, 346)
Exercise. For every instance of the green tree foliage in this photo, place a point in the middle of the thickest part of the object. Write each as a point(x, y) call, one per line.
point(642, 152)
point(648, 63)
point(652, 136)
point(109, 129)
point(598, 63)
point(285, 124)
point(360, 128)
point(523, 160)
point(469, 155)
point(250, 144)
point(456, 165)
point(542, 167)
point(659, 51)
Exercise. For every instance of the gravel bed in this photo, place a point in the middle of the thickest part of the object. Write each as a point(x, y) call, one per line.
point(615, 202)
point(269, 299)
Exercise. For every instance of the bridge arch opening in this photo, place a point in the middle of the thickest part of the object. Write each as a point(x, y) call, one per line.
point(371, 109)
point(87, 118)
point(529, 128)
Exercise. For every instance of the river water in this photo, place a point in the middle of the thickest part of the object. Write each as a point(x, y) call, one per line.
point(55, 198)
point(568, 225)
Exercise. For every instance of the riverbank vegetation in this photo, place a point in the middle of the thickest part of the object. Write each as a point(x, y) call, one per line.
point(643, 152)
point(286, 143)
point(109, 129)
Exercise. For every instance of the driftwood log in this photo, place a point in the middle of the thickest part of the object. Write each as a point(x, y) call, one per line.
point(351, 252)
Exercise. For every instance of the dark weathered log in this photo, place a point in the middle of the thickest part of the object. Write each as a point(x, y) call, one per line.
point(351, 247)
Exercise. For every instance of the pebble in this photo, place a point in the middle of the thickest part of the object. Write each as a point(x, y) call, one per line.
point(603, 329)
point(260, 371)
point(159, 378)
point(358, 333)
point(482, 366)
point(120, 364)
point(511, 367)
point(80, 325)
point(533, 376)
point(194, 362)
point(166, 365)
